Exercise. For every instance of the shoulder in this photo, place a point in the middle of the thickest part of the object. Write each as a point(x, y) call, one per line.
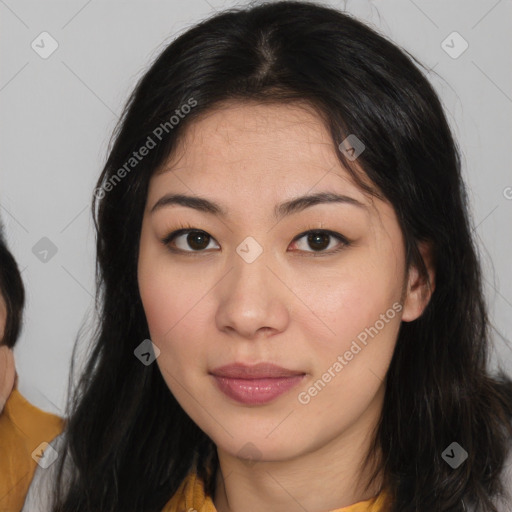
point(36, 424)
point(40, 492)
point(25, 431)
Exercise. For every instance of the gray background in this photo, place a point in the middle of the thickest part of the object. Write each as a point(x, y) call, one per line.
point(58, 114)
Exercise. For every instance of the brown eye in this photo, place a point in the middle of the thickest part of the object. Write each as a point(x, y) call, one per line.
point(198, 240)
point(186, 239)
point(320, 240)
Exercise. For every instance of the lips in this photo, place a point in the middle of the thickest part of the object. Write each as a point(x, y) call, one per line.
point(258, 371)
point(256, 384)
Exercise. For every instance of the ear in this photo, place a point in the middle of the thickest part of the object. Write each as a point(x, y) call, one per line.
point(417, 293)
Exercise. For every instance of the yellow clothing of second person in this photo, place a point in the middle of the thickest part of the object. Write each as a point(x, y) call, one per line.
point(190, 497)
point(23, 427)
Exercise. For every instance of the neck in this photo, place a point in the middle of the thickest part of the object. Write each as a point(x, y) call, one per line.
point(327, 478)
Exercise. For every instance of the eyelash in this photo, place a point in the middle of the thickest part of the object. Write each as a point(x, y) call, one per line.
point(188, 228)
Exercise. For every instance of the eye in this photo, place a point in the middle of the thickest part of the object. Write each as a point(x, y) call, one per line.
point(199, 240)
point(320, 239)
point(195, 238)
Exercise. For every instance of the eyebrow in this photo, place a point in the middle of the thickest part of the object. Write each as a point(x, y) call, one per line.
point(290, 207)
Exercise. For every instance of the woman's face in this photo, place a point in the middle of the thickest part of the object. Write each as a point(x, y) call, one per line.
point(251, 288)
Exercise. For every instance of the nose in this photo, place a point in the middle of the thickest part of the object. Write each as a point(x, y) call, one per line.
point(252, 301)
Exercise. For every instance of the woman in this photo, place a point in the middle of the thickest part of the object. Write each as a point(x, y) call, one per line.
point(25, 429)
point(290, 297)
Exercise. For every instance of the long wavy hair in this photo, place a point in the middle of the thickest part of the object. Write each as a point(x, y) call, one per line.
point(130, 442)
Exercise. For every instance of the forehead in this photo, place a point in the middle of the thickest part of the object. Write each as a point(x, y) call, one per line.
point(244, 144)
point(241, 118)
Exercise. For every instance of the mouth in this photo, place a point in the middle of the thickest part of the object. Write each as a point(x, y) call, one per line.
point(256, 384)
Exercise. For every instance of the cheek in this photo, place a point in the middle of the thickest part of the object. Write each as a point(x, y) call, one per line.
point(347, 301)
point(174, 312)
point(357, 312)
point(162, 298)
point(165, 309)
point(168, 294)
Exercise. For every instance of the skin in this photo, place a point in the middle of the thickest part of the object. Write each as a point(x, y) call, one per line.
point(291, 306)
point(7, 368)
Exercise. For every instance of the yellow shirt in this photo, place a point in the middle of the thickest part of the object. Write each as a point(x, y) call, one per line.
point(190, 497)
point(23, 427)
